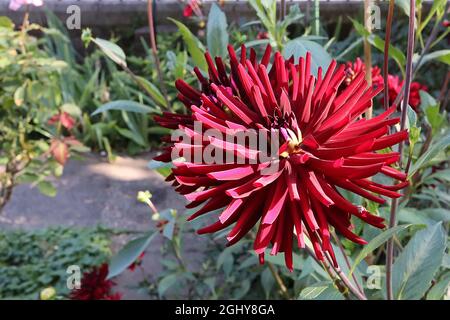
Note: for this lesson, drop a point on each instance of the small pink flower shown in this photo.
(16, 4)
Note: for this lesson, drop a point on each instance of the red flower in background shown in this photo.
(95, 286)
(325, 145)
(190, 8)
(353, 69)
(187, 12)
(262, 35)
(395, 87)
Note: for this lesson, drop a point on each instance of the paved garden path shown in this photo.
(92, 192)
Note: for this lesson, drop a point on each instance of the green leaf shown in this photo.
(439, 289)
(153, 91)
(431, 153)
(415, 267)
(434, 117)
(404, 5)
(134, 136)
(163, 168)
(124, 105)
(299, 47)
(112, 50)
(6, 22)
(216, 32)
(19, 95)
(166, 283)
(321, 291)
(194, 46)
(378, 43)
(428, 216)
(47, 188)
(437, 7)
(71, 109)
(376, 243)
(426, 100)
(439, 55)
(267, 282)
(412, 117)
(129, 253)
(293, 16)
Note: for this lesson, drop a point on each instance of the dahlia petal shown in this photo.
(297, 220)
(262, 72)
(315, 188)
(232, 174)
(349, 185)
(393, 173)
(263, 237)
(307, 213)
(390, 140)
(369, 185)
(238, 149)
(247, 219)
(230, 210)
(211, 205)
(276, 204)
(243, 113)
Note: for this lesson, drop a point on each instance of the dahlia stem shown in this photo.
(347, 262)
(443, 95)
(332, 270)
(349, 285)
(394, 206)
(387, 42)
(368, 52)
(278, 280)
(154, 47)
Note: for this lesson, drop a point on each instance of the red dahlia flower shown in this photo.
(95, 286)
(353, 69)
(395, 87)
(324, 145)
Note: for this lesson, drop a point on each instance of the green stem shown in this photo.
(278, 280)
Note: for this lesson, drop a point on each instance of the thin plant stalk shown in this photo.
(394, 206)
(443, 95)
(368, 52)
(278, 280)
(283, 9)
(328, 264)
(347, 261)
(333, 272)
(387, 42)
(154, 47)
